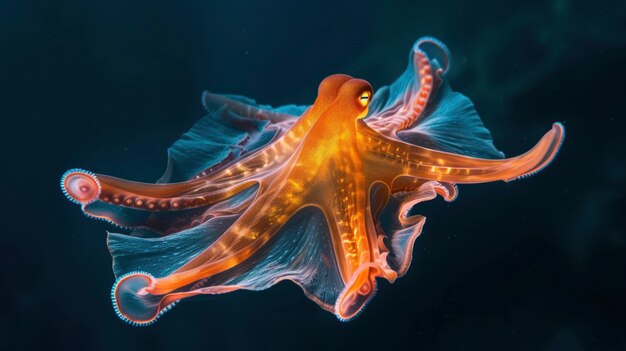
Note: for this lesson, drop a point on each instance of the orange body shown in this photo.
(330, 158)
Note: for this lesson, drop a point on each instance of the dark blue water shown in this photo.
(537, 264)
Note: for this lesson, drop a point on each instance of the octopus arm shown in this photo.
(301, 251)
(232, 130)
(403, 102)
(421, 162)
(420, 108)
(161, 208)
(234, 127)
(145, 223)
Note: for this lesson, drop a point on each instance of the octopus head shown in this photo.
(329, 87)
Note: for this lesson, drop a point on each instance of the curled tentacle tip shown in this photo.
(454, 194)
(444, 52)
(133, 303)
(558, 136)
(561, 128)
(80, 186)
(349, 306)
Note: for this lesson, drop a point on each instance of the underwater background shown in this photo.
(536, 264)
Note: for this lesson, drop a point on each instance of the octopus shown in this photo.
(320, 195)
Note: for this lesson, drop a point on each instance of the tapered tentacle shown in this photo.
(78, 185)
(347, 225)
(163, 223)
(424, 163)
(154, 209)
(350, 213)
(400, 105)
(428, 76)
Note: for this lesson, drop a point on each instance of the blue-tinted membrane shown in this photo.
(229, 130)
(397, 235)
(450, 123)
(163, 255)
(301, 251)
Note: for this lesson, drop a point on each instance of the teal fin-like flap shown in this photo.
(301, 252)
(233, 127)
(163, 255)
(451, 123)
(448, 123)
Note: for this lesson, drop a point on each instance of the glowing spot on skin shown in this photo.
(296, 185)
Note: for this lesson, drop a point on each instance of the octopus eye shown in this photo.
(364, 98)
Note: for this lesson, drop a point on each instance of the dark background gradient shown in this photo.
(537, 264)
